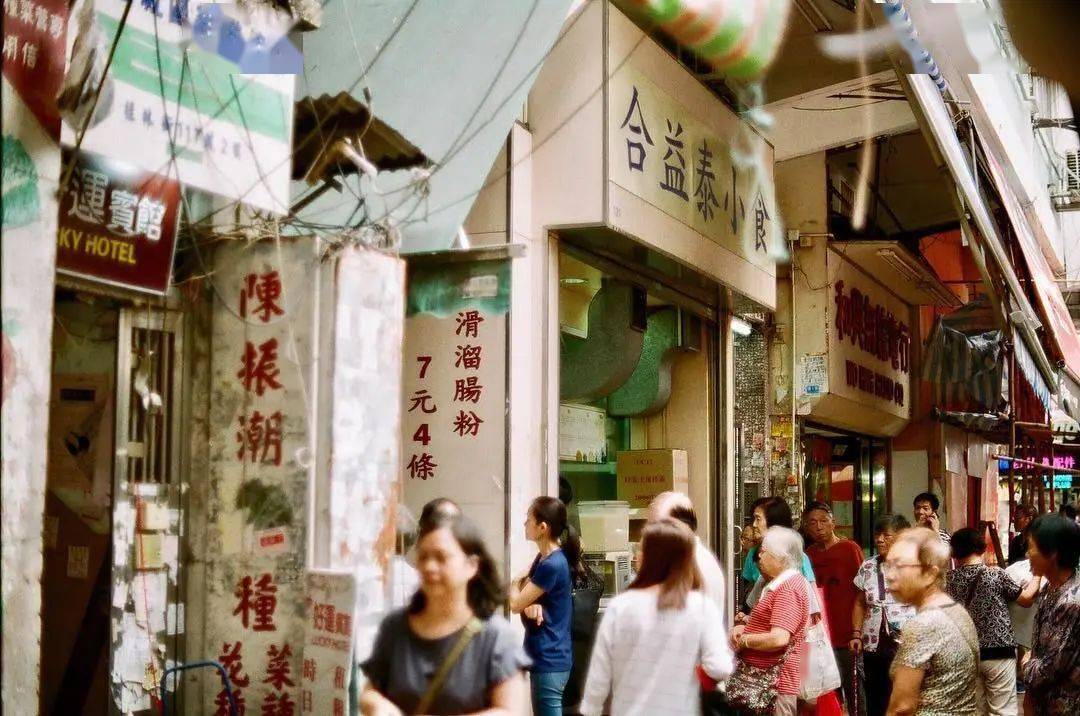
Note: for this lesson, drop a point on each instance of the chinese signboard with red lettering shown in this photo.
(454, 409)
(261, 371)
(328, 643)
(35, 33)
(117, 225)
(868, 344)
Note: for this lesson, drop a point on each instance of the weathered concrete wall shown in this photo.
(368, 312)
(262, 364)
(31, 168)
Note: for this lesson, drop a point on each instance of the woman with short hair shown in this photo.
(877, 617)
(1051, 669)
(448, 652)
(776, 628)
(936, 668)
(986, 592)
(653, 636)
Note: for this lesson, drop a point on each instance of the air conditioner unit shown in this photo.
(1072, 171)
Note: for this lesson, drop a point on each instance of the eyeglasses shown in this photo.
(893, 567)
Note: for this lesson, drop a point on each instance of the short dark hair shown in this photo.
(684, 514)
(437, 512)
(930, 497)
(1068, 510)
(777, 511)
(1028, 510)
(893, 523)
(1057, 534)
(966, 542)
(818, 505)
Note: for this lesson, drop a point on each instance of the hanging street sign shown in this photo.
(34, 37)
(230, 133)
(117, 225)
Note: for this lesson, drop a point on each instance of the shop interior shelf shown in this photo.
(570, 466)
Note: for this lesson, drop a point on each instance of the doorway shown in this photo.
(113, 512)
(849, 471)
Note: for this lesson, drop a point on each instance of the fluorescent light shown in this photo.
(570, 281)
(740, 327)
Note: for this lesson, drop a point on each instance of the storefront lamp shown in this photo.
(740, 327)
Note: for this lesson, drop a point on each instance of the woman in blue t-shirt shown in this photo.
(542, 597)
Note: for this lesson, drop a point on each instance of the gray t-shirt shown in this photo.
(402, 665)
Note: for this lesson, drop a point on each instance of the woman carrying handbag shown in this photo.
(771, 645)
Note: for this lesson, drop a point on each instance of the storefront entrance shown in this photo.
(113, 513)
(850, 472)
(638, 403)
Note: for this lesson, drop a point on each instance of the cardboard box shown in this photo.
(641, 475)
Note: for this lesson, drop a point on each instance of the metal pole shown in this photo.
(1053, 473)
(1012, 433)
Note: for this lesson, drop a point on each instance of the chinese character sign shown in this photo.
(117, 225)
(711, 173)
(328, 642)
(454, 378)
(261, 371)
(229, 133)
(869, 339)
(35, 32)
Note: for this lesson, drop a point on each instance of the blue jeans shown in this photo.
(547, 691)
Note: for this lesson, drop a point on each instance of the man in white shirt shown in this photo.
(678, 506)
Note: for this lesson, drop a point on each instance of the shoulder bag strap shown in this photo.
(472, 628)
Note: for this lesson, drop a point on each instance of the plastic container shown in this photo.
(605, 525)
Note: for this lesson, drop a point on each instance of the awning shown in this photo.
(963, 358)
(1036, 366)
(1058, 322)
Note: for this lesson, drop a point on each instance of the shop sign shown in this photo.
(232, 133)
(869, 340)
(35, 33)
(454, 398)
(328, 643)
(260, 470)
(692, 172)
(117, 225)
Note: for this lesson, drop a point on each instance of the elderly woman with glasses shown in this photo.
(776, 628)
(936, 667)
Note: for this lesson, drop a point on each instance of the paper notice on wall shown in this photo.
(153, 516)
(271, 541)
(78, 562)
(149, 552)
(149, 595)
(815, 375)
(174, 619)
(120, 594)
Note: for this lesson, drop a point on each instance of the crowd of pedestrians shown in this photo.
(928, 625)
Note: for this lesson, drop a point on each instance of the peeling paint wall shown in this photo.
(263, 359)
(31, 169)
(368, 315)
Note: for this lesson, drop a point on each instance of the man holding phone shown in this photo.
(926, 506)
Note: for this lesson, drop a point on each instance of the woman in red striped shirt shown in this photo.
(776, 628)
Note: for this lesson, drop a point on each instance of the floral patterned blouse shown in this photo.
(880, 603)
(1053, 673)
(942, 642)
